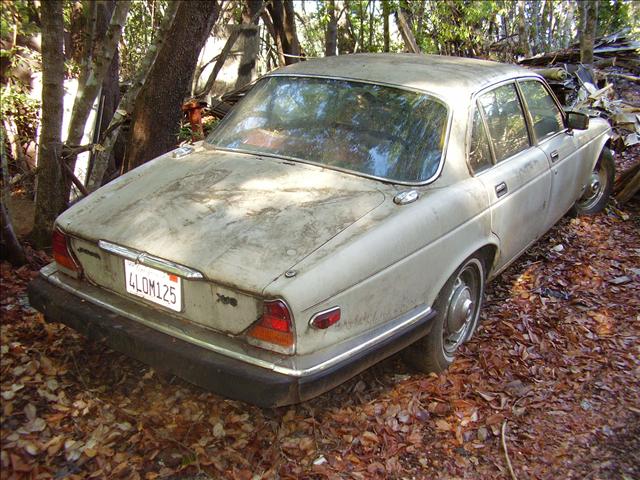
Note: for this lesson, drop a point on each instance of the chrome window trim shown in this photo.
(150, 260)
(294, 366)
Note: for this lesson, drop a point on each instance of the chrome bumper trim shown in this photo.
(150, 260)
(294, 366)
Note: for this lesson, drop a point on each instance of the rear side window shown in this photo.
(479, 151)
(545, 114)
(505, 120)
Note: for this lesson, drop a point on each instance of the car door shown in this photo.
(559, 145)
(518, 181)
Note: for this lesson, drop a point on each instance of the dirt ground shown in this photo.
(555, 365)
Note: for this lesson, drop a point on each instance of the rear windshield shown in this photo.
(369, 129)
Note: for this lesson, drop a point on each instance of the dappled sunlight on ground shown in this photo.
(556, 357)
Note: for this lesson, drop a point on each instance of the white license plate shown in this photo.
(154, 285)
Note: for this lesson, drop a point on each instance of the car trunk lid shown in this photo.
(240, 220)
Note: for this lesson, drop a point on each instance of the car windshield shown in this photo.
(370, 129)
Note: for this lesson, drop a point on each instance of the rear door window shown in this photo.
(479, 150)
(545, 114)
(505, 120)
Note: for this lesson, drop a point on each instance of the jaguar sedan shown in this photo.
(346, 209)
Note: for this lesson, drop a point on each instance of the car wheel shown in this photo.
(599, 186)
(458, 309)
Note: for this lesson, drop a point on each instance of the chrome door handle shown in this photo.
(501, 189)
(555, 156)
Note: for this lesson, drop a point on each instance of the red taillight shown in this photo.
(274, 330)
(61, 252)
(325, 319)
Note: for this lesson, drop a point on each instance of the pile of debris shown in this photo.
(610, 89)
(617, 49)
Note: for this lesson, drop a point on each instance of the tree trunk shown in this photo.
(360, 46)
(291, 31)
(421, 18)
(523, 30)
(110, 91)
(50, 200)
(284, 26)
(588, 24)
(250, 42)
(372, 7)
(103, 56)
(346, 38)
(548, 25)
(331, 35)
(156, 115)
(125, 106)
(406, 33)
(386, 11)
(111, 84)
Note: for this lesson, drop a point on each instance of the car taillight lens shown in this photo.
(62, 253)
(325, 319)
(273, 330)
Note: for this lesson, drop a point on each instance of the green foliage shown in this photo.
(360, 26)
(208, 124)
(18, 17)
(614, 15)
(24, 110)
(138, 35)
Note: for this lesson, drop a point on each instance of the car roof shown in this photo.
(447, 77)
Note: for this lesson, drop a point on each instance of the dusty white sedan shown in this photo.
(347, 208)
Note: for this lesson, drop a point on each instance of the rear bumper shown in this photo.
(208, 369)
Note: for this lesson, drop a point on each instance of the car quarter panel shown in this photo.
(391, 261)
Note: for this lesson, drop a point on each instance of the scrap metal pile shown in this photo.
(610, 89)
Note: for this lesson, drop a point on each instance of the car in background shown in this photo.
(346, 209)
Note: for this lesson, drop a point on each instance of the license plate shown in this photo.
(154, 285)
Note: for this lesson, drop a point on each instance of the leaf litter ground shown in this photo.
(557, 357)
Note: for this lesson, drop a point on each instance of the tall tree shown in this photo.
(523, 29)
(110, 90)
(250, 42)
(331, 35)
(89, 87)
(127, 102)
(386, 11)
(49, 202)
(157, 113)
(406, 32)
(284, 28)
(588, 23)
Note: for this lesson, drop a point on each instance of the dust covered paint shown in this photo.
(242, 220)
(281, 240)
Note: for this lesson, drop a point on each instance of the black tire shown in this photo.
(453, 325)
(599, 186)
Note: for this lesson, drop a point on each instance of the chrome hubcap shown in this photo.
(594, 189)
(462, 309)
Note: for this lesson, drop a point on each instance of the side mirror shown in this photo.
(577, 121)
